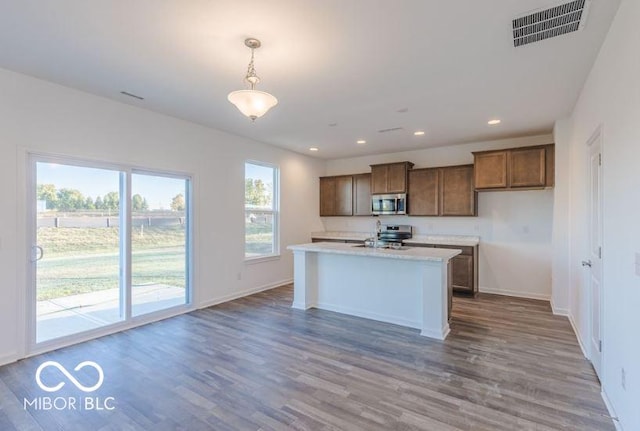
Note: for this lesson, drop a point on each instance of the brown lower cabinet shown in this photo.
(347, 241)
(464, 267)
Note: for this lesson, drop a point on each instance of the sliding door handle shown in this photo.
(586, 263)
(38, 253)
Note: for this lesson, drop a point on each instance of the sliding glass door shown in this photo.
(159, 237)
(77, 249)
(109, 244)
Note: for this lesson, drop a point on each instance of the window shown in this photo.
(260, 210)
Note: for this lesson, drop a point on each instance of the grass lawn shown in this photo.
(81, 260)
(258, 239)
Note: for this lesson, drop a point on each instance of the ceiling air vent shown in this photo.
(392, 129)
(551, 22)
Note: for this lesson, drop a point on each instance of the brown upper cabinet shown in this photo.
(458, 195)
(515, 168)
(390, 177)
(424, 192)
(362, 195)
(336, 195)
(446, 191)
(345, 195)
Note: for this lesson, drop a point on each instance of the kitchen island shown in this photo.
(407, 287)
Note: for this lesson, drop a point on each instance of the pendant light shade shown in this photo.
(252, 103)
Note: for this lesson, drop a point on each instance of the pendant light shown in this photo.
(252, 103)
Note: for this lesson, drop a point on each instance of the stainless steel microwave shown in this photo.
(389, 204)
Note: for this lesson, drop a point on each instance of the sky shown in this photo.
(258, 172)
(159, 191)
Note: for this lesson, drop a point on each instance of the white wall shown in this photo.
(515, 227)
(39, 116)
(611, 99)
(561, 220)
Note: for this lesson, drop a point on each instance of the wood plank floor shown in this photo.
(255, 363)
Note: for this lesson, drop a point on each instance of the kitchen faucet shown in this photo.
(376, 234)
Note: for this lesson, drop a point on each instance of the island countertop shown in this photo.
(405, 253)
(461, 240)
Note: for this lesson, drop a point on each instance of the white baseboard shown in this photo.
(611, 410)
(578, 336)
(369, 315)
(243, 293)
(559, 311)
(8, 359)
(516, 293)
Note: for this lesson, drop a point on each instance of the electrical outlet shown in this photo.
(623, 379)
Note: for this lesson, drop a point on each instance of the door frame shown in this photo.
(27, 312)
(596, 138)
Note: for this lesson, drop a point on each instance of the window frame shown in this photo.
(274, 211)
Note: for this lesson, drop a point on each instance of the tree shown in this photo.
(256, 193)
(69, 199)
(177, 203)
(145, 204)
(99, 205)
(111, 201)
(47, 192)
(137, 202)
(88, 204)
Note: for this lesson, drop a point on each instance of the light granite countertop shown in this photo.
(406, 253)
(461, 240)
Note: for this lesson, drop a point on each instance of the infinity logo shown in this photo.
(72, 379)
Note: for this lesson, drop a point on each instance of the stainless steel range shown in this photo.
(395, 232)
(390, 236)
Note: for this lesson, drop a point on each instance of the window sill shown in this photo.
(260, 259)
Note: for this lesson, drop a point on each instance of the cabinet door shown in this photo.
(378, 179)
(423, 196)
(527, 167)
(397, 178)
(327, 196)
(344, 195)
(458, 192)
(362, 194)
(550, 171)
(491, 170)
(462, 273)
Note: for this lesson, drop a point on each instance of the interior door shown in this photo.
(594, 264)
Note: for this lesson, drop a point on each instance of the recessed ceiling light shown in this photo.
(493, 122)
(419, 132)
(313, 149)
(361, 141)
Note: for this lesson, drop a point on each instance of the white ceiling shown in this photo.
(350, 62)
